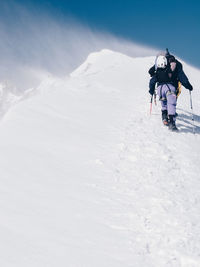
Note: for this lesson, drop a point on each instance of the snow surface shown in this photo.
(90, 179)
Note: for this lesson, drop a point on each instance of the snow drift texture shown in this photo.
(89, 179)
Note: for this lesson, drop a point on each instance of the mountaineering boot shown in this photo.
(172, 124)
(165, 117)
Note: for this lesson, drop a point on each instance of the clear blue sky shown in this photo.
(172, 23)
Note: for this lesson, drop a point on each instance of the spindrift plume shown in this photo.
(35, 44)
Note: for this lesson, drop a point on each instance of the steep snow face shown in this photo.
(89, 178)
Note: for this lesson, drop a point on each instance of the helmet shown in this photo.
(161, 62)
(171, 59)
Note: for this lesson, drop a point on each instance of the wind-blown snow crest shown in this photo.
(89, 178)
(104, 60)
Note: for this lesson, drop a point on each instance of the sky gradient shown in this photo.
(159, 24)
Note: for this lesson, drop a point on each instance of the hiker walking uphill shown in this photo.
(167, 73)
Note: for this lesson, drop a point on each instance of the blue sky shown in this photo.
(160, 24)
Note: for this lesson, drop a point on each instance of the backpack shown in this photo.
(165, 66)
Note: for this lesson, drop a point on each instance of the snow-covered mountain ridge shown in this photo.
(89, 178)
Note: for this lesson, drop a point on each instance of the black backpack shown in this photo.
(164, 75)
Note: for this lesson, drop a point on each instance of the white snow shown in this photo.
(90, 179)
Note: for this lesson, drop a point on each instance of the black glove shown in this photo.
(190, 87)
(151, 92)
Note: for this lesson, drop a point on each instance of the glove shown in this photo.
(190, 87)
(151, 92)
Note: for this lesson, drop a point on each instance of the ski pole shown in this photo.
(151, 101)
(191, 106)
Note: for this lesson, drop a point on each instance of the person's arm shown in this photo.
(179, 65)
(184, 80)
(152, 84)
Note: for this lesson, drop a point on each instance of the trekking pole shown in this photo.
(192, 112)
(151, 101)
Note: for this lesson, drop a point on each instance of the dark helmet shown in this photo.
(171, 59)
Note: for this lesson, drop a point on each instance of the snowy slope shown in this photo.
(89, 179)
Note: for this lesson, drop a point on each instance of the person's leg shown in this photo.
(163, 99)
(164, 112)
(171, 107)
(171, 104)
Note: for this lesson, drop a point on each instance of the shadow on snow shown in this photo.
(186, 117)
